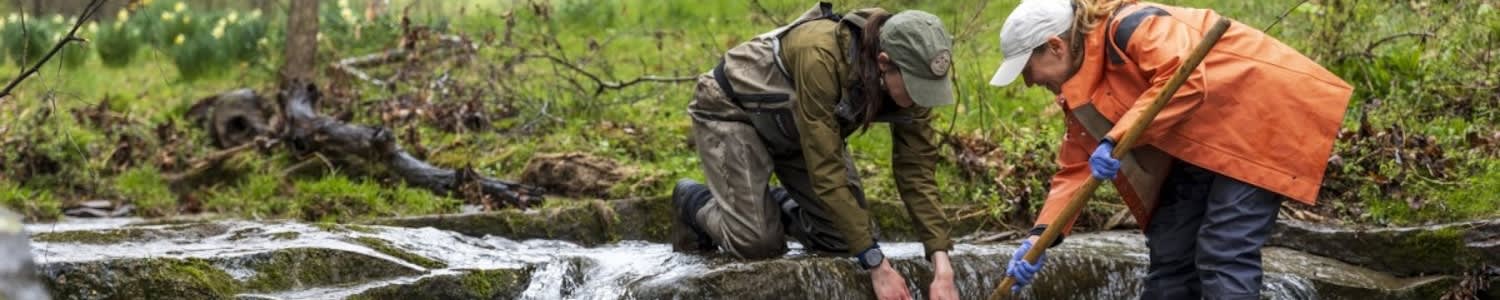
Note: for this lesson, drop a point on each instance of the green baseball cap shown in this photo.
(922, 50)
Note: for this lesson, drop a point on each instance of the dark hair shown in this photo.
(872, 90)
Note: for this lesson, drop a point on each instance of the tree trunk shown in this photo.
(301, 40)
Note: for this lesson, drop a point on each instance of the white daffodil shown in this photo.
(58, 19)
(12, 18)
(348, 16)
(180, 38)
(218, 31)
(255, 14)
(93, 27)
(233, 16)
(344, 3)
(123, 15)
(181, 6)
(167, 16)
(263, 42)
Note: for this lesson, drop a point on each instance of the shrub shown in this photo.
(73, 55)
(28, 44)
(117, 42)
(241, 36)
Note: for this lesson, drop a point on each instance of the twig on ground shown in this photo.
(212, 159)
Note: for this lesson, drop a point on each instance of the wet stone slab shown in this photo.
(280, 260)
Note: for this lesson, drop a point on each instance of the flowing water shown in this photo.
(1088, 266)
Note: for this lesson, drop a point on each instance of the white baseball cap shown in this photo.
(1028, 27)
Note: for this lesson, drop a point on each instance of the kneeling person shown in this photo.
(784, 103)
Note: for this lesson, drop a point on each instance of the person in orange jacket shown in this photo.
(1255, 122)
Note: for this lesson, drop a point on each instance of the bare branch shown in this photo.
(601, 85)
(448, 46)
(765, 14)
(1370, 49)
(1283, 16)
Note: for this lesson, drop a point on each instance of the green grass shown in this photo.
(145, 187)
(558, 111)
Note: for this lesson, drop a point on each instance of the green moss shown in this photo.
(147, 190)
(385, 247)
(133, 234)
(1443, 246)
(197, 271)
(97, 237)
(496, 282)
(472, 284)
(158, 278)
(283, 236)
(306, 267)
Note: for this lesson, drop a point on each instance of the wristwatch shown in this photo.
(871, 258)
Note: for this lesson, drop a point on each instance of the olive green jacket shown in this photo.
(817, 56)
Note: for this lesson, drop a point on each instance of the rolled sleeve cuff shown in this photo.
(935, 245)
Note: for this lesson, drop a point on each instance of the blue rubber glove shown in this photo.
(1101, 164)
(1022, 271)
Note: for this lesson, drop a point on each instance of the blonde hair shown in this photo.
(1087, 15)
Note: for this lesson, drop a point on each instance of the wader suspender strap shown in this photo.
(827, 11)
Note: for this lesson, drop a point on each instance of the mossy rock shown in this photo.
(1432, 288)
(192, 231)
(1090, 266)
(587, 223)
(294, 268)
(470, 284)
(644, 219)
(385, 247)
(153, 278)
(647, 219)
(1439, 249)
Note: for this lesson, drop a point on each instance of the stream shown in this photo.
(127, 258)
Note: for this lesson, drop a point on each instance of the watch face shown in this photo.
(872, 258)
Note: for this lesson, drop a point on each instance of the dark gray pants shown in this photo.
(1205, 236)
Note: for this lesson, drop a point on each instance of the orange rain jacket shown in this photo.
(1255, 110)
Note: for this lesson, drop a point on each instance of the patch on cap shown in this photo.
(940, 63)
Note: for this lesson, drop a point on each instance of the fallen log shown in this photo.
(308, 133)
